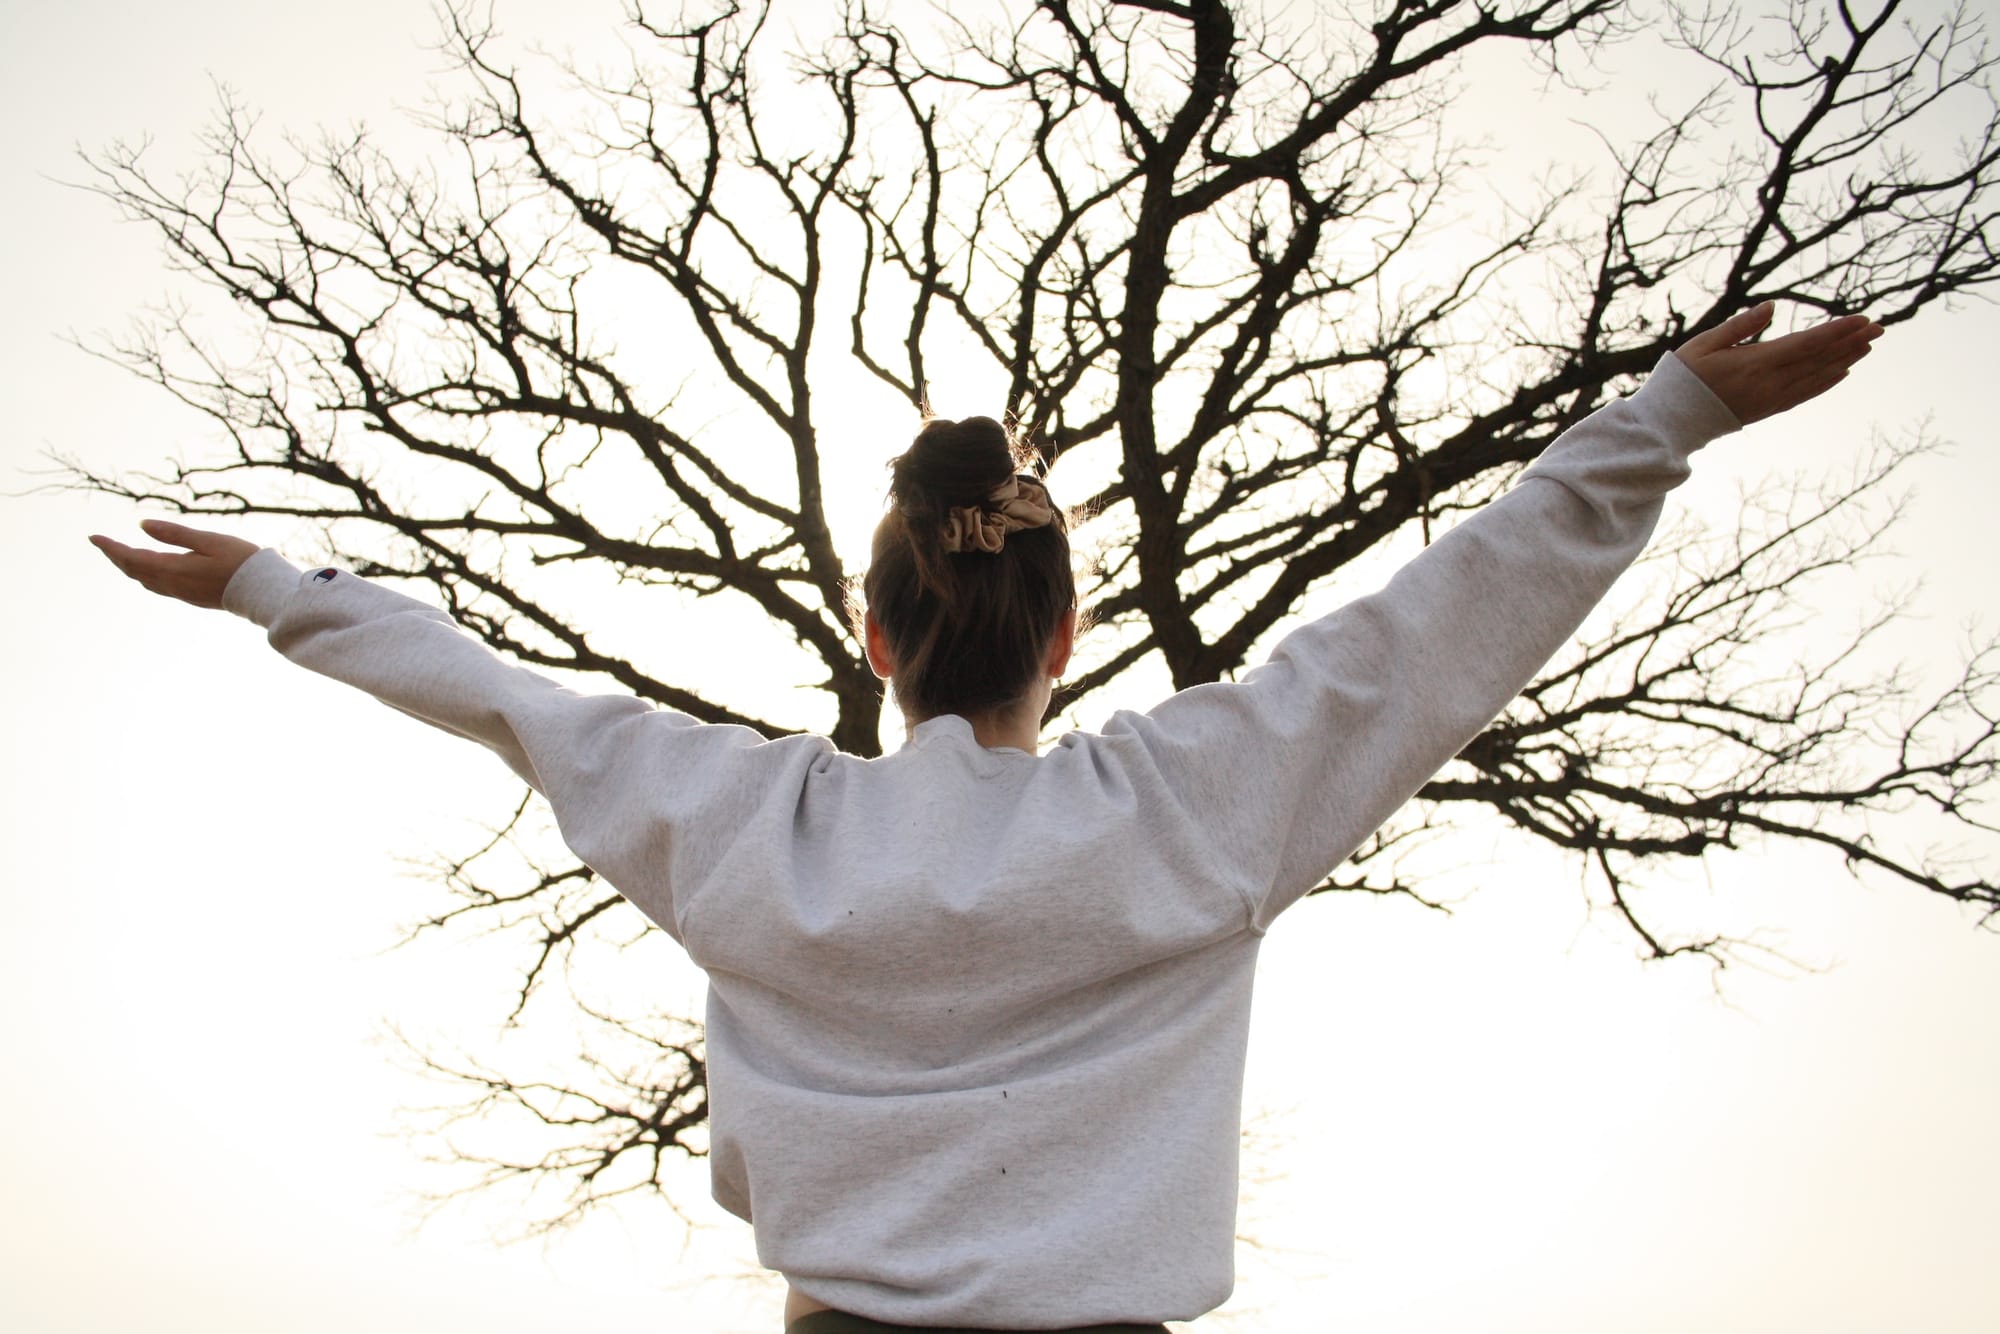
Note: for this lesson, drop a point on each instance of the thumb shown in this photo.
(1736, 329)
(176, 534)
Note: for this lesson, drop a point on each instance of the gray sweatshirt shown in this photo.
(977, 1018)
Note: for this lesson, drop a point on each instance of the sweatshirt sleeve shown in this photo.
(1283, 773)
(645, 796)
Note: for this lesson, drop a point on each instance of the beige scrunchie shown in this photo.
(1017, 503)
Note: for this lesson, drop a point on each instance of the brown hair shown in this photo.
(969, 631)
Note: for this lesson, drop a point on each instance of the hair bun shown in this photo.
(951, 463)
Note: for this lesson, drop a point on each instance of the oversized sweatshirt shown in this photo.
(977, 1017)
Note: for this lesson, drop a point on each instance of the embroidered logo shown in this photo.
(324, 576)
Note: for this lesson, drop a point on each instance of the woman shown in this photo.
(977, 1014)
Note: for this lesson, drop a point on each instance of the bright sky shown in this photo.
(1494, 1122)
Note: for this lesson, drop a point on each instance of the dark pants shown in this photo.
(839, 1322)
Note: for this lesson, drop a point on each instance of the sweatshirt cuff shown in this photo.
(260, 587)
(1689, 402)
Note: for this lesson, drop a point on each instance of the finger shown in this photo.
(164, 572)
(114, 551)
(1837, 363)
(151, 568)
(1811, 379)
(133, 560)
(177, 534)
(1812, 388)
(1736, 329)
(1830, 341)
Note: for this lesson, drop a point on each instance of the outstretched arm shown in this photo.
(643, 795)
(1287, 770)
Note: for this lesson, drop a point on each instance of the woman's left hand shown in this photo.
(197, 574)
(1756, 380)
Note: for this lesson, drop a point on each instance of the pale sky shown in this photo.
(1493, 1122)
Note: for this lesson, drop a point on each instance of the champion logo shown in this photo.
(324, 576)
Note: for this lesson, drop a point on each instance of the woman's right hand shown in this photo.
(196, 575)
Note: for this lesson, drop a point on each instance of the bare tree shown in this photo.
(1202, 249)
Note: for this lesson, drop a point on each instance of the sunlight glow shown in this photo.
(1493, 1121)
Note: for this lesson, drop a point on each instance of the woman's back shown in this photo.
(975, 1030)
(1018, 877)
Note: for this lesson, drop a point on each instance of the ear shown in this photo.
(1062, 644)
(880, 660)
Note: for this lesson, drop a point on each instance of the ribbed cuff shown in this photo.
(260, 587)
(1690, 401)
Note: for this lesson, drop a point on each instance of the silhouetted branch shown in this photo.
(1219, 256)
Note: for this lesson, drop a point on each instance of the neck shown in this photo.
(1018, 726)
(1013, 730)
